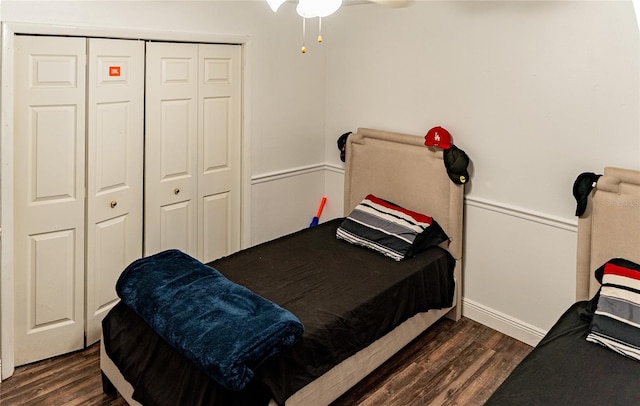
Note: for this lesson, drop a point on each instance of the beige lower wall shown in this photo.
(519, 269)
(285, 202)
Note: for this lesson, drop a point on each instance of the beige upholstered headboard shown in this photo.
(400, 168)
(609, 227)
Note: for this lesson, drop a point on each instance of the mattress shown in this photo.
(346, 296)
(566, 369)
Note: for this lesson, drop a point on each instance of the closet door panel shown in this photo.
(115, 139)
(111, 245)
(216, 211)
(219, 148)
(171, 148)
(176, 218)
(49, 196)
(51, 270)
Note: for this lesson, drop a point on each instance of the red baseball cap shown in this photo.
(438, 137)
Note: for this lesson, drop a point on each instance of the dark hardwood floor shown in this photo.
(458, 363)
(71, 379)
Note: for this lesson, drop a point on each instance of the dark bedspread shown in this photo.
(565, 369)
(345, 296)
(224, 328)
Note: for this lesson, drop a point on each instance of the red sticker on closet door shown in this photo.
(114, 71)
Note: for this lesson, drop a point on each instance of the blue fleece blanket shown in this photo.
(223, 327)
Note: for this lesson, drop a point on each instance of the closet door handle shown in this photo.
(113, 204)
(176, 191)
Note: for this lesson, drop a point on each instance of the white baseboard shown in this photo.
(501, 322)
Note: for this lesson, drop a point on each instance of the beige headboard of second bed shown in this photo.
(609, 227)
(400, 168)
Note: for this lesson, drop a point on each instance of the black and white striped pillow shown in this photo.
(616, 322)
(390, 229)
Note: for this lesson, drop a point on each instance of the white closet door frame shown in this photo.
(9, 30)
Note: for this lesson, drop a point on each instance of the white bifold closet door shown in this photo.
(78, 186)
(115, 151)
(193, 149)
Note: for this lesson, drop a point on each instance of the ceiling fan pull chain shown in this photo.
(304, 29)
(320, 29)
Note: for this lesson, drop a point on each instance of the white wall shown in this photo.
(286, 201)
(535, 92)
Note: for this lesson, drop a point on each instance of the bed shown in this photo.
(398, 302)
(565, 368)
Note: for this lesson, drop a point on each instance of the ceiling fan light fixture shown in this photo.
(317, 8)
(275, 4)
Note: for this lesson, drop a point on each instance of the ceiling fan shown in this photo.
(322, 8)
